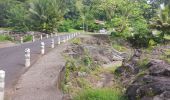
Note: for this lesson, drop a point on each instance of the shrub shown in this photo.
(100, 94)
(115, 34)
(27, 38)
(139, 40)
(65, 26)
(78, 25)
(5, 38)
(87, 61)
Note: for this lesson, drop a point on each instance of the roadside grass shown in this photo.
(74, 30)
(27, 38)
(100, 94)
(5, 38)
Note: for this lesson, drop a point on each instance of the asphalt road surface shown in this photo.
(12, 59)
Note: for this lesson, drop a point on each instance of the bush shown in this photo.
(100, 94)
(115, 34)
(27, 38)
(5, 38)
(65, 26)
(139, 40)
(78, 25)
(92, 27)
(141, 35)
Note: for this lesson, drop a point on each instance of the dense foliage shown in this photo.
(130, 19)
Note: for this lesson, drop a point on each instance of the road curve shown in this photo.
(12, 59)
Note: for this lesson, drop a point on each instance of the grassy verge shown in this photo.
(27, 38)
(5, 38)
(74, 30)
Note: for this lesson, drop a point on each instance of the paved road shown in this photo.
(12, 59)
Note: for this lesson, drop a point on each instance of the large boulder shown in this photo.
(153, 86)
(129, 67)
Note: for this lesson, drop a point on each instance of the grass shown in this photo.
(119, 47)
(5, 38)
(74, 30)
(27, 38)
(118, 43)
(76, 41)
(100, 94)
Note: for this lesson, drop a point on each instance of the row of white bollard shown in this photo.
(47, 36)
(28, 57)
(33, 38)
(27, 50)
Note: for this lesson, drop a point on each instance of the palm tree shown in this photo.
(162, 22)
(46, 14)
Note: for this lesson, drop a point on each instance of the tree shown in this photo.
(162, 21)
(46, 14)
(17, 16)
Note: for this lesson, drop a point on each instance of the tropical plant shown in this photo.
(162, 21)
(17, 15)
(46, 14)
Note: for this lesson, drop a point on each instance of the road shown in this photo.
(12, 59)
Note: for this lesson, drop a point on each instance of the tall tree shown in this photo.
(45, 14)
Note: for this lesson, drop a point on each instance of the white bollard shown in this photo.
(42, 48)
(67, 37)
(64, 39)
(52, 43)
(47, 36)
(72, 35)
(27, 57)
(21, 40)
(41, 37)
(33, 38)
(59, 41)
(2, 84)
(51, 34)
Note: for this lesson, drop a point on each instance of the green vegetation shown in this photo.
(27, 38)
(132, 21)
(5, 38)
(76, 41)
(100, 94)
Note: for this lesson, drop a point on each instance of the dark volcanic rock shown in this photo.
(159, 68)
(154, 86)
(130, 67)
